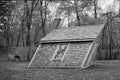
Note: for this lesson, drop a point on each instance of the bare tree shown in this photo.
(29, 14)
(77, 12)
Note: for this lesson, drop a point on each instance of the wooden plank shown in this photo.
(34, 55)
(90, 56)
(82, 66)
(55, 52)
(65, 52)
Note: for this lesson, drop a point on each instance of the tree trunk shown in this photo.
(36, 35)
(18, 39)
(7, 34)
(29, 14)
(95, 8)
(35, 38)
(28, 43)
(43, 28)
(43, 17)
(22, 34)
(77, 12)
(78, 18)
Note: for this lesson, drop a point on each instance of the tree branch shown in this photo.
(36, 4)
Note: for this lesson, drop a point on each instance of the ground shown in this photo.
(99, 70)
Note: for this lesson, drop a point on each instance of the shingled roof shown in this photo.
(81, 33)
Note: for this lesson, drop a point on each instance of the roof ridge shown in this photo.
(82, 26)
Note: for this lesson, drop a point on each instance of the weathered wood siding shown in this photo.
(73, 58)
(76, 54)
(44, 55)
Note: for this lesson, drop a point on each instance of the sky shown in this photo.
(104, 3)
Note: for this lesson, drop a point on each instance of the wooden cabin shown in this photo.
(72, 47)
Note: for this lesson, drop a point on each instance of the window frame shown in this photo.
(55, 53)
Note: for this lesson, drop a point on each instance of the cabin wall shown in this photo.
(44, 55)
(73, 58)
(76, 54)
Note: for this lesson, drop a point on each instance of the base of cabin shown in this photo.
(73, 58)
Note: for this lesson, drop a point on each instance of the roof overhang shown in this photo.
(67, 40)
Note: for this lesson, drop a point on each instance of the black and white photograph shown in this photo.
(59, 39)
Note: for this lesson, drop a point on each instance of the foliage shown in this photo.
(5, 14)
(23, 23)
(79, 9)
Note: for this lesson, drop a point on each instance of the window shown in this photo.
(60, 52)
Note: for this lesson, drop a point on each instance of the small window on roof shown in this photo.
(60, 52)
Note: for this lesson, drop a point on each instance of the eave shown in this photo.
(67, 40)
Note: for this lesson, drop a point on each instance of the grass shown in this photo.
(99, 70)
